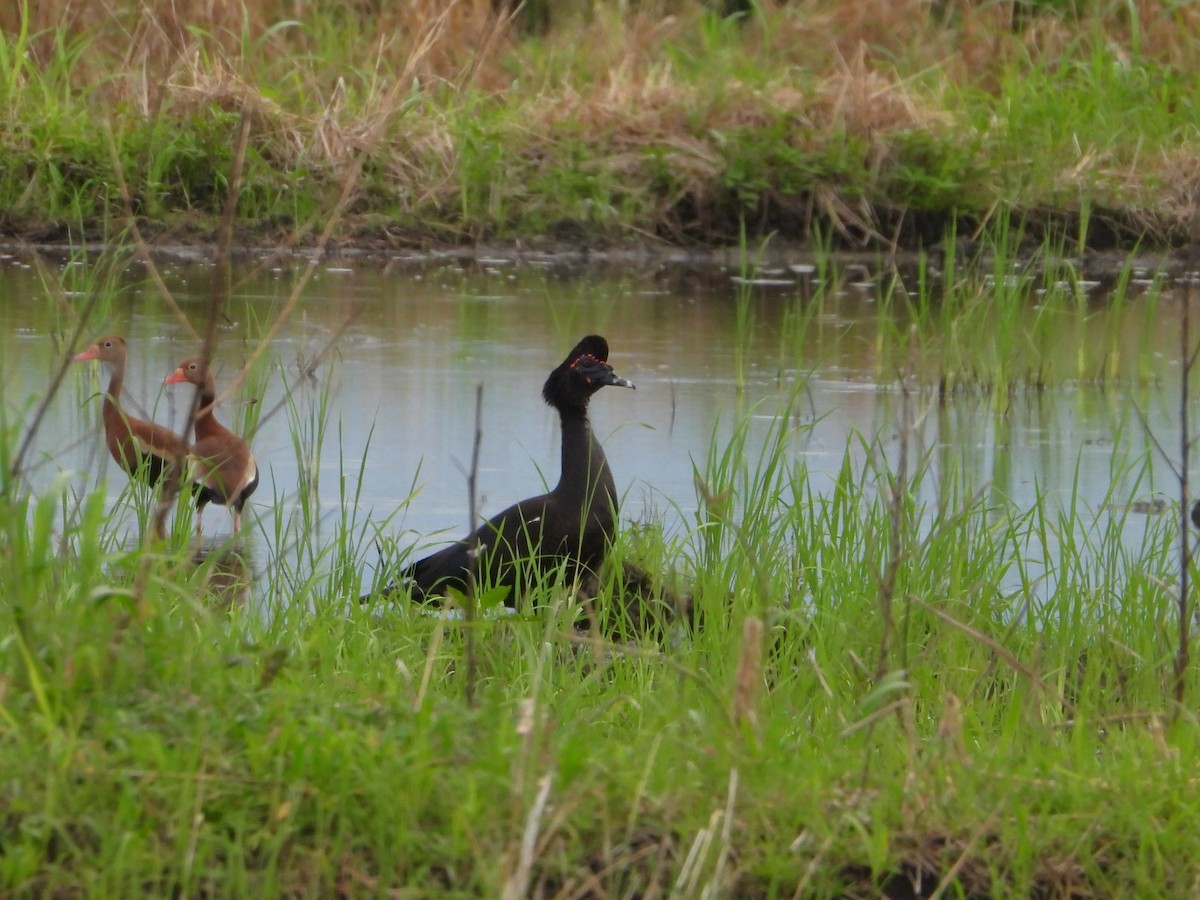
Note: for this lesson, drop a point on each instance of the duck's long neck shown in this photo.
(206, 423)
(112, 398)
(585, 476)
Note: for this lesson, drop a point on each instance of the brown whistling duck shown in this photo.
(143, 449)
(575, 523)
(225, 471)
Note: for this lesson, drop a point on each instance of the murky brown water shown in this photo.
(410, 340)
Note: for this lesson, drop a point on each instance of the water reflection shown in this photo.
(223, 576)
(382, 420)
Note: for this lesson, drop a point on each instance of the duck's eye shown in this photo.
(108, 344)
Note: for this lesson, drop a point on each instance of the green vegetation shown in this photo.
(901, 677)
(871, 123)
(873, 690)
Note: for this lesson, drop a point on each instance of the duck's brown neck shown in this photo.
(112, 397)
(206, 423)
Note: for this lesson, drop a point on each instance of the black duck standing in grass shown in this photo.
(573, 524)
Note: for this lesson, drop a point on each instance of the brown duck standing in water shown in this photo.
(143, 449)
(225, 471)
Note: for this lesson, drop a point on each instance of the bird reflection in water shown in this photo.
(223, 575)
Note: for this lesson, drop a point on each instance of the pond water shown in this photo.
(409, 338)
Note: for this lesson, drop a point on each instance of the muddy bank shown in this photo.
(383, 248)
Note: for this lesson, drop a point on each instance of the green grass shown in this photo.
(664, 120)
(1009, 318)
(1011, 731)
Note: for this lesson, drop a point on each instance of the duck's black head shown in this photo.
(581, 374)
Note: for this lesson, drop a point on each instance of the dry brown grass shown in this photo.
(1179, 172)
(142, 51)
(616, 79)
(476, 39)
(156, 33)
